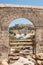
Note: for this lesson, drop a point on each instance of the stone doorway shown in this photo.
(32, 13)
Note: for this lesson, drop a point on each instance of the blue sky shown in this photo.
(22, 2)
(19, 21)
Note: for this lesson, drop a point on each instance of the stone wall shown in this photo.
(39, 42)
(12, 12)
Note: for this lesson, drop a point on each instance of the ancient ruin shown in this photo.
(10, 12)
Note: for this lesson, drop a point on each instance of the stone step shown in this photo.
(18, 44)
(24, 51)
(16, 54)
(14, 57)
(13, 60)
(25, 40)
(21, 43)
(19, 47)
(13, 52)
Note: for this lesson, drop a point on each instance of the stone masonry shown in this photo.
(10, 12)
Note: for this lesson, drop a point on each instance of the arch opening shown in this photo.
(20, 26)
(21, 35)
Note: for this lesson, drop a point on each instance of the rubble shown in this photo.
(24, 61)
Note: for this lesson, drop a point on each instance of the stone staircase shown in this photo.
(19, 48)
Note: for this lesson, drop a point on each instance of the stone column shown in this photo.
(5, 42)
(39, 42)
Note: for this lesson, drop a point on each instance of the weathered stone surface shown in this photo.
(32, 13)
(39, 43)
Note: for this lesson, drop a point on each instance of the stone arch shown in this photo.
(21, 33)
(11, 12)
(16, 19)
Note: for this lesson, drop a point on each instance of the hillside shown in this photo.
(21, 26)
(21, 31)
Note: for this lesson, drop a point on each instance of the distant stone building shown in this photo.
(24, 30)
